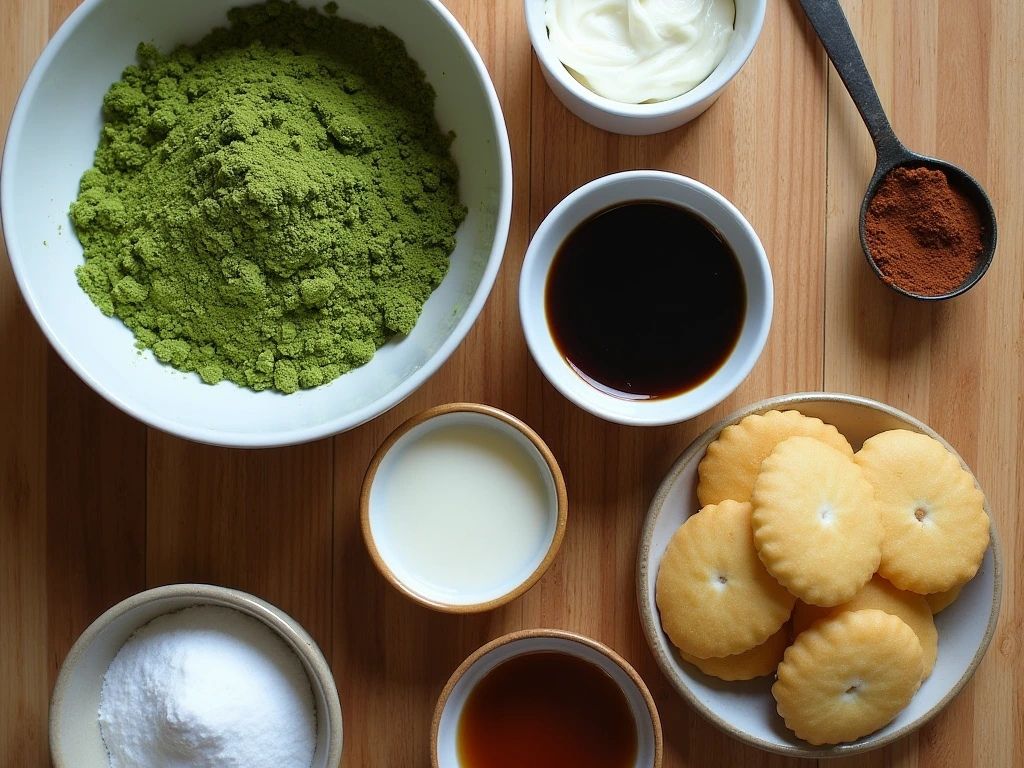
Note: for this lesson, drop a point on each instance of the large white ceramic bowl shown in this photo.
(631, 186)
(53, 136)
(746, 710)
(75, 738)
(643, 119)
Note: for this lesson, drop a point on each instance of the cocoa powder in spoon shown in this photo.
(924, 235)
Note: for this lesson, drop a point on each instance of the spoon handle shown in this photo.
(829, 21)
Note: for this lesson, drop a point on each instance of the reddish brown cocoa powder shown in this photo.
(924, 235)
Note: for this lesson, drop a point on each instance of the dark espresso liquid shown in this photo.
(645, 300)
(546, 710)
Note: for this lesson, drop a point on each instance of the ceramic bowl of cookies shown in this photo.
(819, 575)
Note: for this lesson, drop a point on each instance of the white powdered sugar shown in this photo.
(207, 687)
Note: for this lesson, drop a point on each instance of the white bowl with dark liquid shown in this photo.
(647, 186)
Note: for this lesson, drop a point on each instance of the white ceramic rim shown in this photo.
(538, 334)
(718, 78)
(292, 634)
(651, 625)
(333, 426)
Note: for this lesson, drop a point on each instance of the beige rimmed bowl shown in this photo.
(527, 440)
(746, 710)
(75, 740)
(447, 713)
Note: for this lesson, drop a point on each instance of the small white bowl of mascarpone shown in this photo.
(463, 508)
(642, 66)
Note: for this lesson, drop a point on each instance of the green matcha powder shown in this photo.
(271, 205)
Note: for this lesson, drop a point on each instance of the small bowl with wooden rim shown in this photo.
(445, 736)
(746, 710)
(463, 508)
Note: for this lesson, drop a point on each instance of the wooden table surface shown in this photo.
(94, 506)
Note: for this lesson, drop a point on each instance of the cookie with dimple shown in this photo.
(759, 661)
(816, 525)
(940, 601)
(731, 464)
(883, 596)
(936, 529)
(714, 595)
(848, 676)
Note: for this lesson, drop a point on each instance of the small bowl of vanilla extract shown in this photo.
(646, 298)
(545, 698)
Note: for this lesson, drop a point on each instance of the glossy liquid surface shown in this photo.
(547, 710)
(645, 300)
(464, 512)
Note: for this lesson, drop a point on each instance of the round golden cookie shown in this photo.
(848, 676)
(940, 601)
(883, 596)
(816, 526)
(731, 464)
(714, 595)
(936, 529)
(759, 661)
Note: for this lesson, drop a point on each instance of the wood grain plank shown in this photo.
(96, 508)
(392, 655)
(23, 600)
(283, 523)
(949, 80)
(776, 178)
(95, 495)
(259, 521)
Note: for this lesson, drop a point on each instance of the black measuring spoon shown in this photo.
(829, 21)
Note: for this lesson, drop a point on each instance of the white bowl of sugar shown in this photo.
(196, 675)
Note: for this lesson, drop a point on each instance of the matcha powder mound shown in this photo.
(271, 205)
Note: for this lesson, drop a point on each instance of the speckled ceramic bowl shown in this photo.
(746, 710)
(75, 740)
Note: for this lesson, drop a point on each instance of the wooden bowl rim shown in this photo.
(562, 505)
(561, 634)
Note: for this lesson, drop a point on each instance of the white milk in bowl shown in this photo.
(464, 509)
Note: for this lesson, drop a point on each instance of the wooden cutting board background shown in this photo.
(95, 507)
